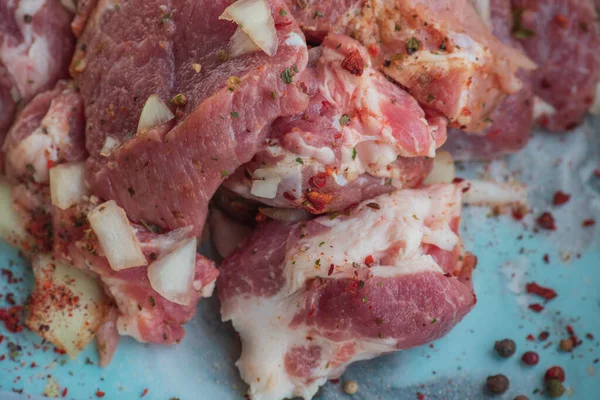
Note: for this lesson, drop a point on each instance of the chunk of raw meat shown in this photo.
(310, 298)
(48, 131)
(441, 51)
(36, 45)
(562, 36)
(143, 313)
(223, 105)
(360, 136)
(512, 121)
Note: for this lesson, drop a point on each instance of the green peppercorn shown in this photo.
(555, 388)
(505, 348)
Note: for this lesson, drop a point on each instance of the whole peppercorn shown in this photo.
(505, 348)
(521, 397)
(497, 384)
(555, 372)
(530, 358)
(566, 344)
(555, 388)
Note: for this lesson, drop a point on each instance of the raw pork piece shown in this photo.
(441, 51)
(513, 119)
(562, 36)
(310, 298)
(361, 136)
(48, 131)
(36, 45)
(223, 104)
(142, 312)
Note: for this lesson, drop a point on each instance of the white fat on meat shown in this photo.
(264, 322)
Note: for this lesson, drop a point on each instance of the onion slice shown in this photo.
(154, 113)
(109, 145)
(286, 214)
(172, 275)
(443, 170)
(495, 194)
(116, 236)
(67, 184)
(240, 44)
(255, 19)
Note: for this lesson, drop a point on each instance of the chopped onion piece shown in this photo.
(541, 108)
(166, 242)
(595, 109)
(116, 236)
(286, 214)
(154, 113)
(70, 5)
(172, 275)
(443, 169)
(255, 19)
(484, 9)
(266, 187)
(67, 184)
(495, 194)
(67, 305)
(227, 234)
(109, 145)
(240, 44)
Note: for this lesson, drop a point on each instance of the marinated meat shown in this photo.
(310, 298)
(223, 104)
(360, 136)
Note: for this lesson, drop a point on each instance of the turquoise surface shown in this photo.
(455, 367)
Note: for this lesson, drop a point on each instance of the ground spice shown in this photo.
(561, 198)
(546, 221)
(354, 63)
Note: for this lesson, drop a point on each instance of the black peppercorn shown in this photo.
(505, 348)
(497, 384)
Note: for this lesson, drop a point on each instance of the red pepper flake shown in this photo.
(537, 307)
(260, 217)
(546, 258)
(64, 392)
(318, 181)
(597, 173)
(546, 221)
(144, 393)
(570, 330)
(561, 198)
(369, 260)
(319, 200)
(530, 337)
(586, 223)
(518, 212)
(420, 396)
(11, 318)
(313, 309)
(457, 180)
(1, 338)
(354, 63)
(330, 270)
(33, 365)
(561, 20)
(543, 336)
(50, 164)
(555, 372)
(589, 336)
(546, 293)
(2, 357)
(59, 351)
(100, 394)
(9, 275)
(289, 196)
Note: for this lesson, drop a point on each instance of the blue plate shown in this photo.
(510, 254)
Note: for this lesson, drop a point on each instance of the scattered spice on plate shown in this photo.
(566, 345)
(505, 348)
(546, 293)
(561, 198)
(521, 397)
(530, 358)
(497, 384)
(536, 307)
(586, 223)
(546, 221)
(543, 336)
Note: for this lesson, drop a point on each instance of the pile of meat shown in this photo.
(311, 125)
